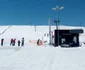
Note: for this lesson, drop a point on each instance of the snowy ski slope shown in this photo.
(33, 57)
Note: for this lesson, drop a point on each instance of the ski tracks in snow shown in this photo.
(50, 60)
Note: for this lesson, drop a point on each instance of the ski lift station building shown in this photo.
(66, 37)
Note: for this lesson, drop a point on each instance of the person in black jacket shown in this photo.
(38, 41)
(22, 44)
(2, 40)
(18, 42)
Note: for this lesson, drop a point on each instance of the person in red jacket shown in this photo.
(14, 42)
(11, 42)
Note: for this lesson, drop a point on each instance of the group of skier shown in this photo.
(13, 41)
(19, 42)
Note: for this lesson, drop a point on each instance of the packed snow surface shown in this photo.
(34, 57)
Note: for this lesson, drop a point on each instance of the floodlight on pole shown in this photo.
(61, 7)
(57, 8)
(53, 8)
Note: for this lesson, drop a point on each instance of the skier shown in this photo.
(14, 42)
(38, 42)
(22, 44)
(18, 42)
(2, 40)
(11, 42)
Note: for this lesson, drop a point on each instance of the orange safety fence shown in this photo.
(35, 42)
